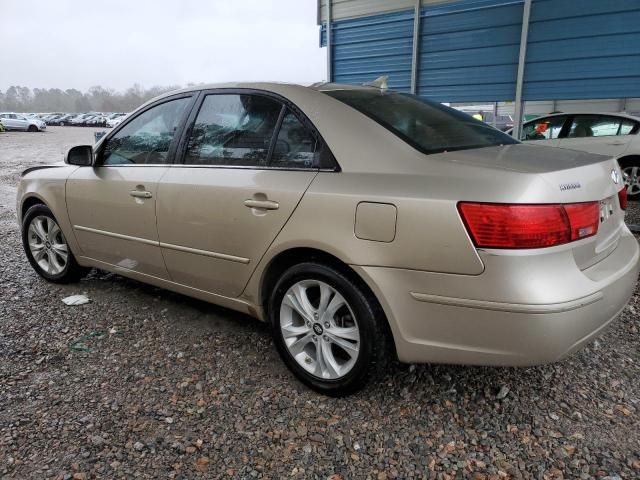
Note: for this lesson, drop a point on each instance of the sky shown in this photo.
(116, 43)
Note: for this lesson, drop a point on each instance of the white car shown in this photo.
(16, 121)
(114, 122)
(612, 134)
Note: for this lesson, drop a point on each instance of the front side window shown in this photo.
(543, 128)
(594, 126)
(146, 138)
(295, 146)
(428, 126)
(233, 130)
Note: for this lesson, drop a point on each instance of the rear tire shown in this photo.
(327, 330)
(46, 248)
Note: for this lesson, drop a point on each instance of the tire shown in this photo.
(631, 172)
(45, 247)
(357, 324)
(33, 128)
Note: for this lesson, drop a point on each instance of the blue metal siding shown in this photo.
(468, 50)
(366, 48)
(583, 50)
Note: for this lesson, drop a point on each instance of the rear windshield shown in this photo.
(428, 126)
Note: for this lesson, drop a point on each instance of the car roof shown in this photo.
(279, 87)
(610, 114)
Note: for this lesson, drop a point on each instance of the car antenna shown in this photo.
(380, 82)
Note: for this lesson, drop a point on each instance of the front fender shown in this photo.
(47, 185)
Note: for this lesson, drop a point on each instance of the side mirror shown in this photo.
(81, 155)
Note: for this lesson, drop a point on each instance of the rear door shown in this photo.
(603, 134)
(247, 161)
(544, 131)
(112, 205)
(10, 121)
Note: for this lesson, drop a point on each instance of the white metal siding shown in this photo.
(341, 9)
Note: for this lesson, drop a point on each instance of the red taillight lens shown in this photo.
(622, 198)
(528, 226)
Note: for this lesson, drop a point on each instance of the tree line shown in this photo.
(96, 99)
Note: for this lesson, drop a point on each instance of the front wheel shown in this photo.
(327, 330)
(46, 247)
(33, 128)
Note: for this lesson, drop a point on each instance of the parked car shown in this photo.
(361, 224)
(80, 120)
(66, 119)
(115, 121)
(53, 119)
(610, 134)
(16, 121)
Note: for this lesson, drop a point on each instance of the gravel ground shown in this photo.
(143, 383)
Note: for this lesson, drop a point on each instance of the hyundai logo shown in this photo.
(615, 176)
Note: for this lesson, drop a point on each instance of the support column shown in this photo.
(416, 50)
(519, 104)
(329, 44)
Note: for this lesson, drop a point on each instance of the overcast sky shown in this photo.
(116, 43)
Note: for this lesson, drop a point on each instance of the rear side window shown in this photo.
(627, 127)
(428, 126)
(233, 130)
(594, 126)
(295, 145)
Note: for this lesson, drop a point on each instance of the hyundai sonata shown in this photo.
(361, 224)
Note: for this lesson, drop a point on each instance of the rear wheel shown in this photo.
(631, 173)
(46, 247)
(326, 329)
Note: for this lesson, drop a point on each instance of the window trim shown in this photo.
(174, 141)
(326, 160)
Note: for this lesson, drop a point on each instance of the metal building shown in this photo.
(539, 51)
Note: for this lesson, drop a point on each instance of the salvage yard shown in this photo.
(144, 383)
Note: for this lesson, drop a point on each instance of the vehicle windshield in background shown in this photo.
(428, 126)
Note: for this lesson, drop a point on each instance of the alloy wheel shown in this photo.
(48, 245)
(631, 176)
(319, 329)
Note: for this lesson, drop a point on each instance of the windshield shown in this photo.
(428, 126)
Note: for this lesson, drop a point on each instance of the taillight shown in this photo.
(493, 225)
(622, 198)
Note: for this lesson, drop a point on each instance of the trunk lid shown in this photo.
(571, 177)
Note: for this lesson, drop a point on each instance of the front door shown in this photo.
(112, 205)
(248, 161)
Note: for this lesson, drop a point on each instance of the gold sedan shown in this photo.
(362, 224)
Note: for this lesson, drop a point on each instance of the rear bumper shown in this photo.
(522, 310)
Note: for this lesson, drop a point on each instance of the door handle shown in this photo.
(615, 143)
(140, 194)
(262, 204)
